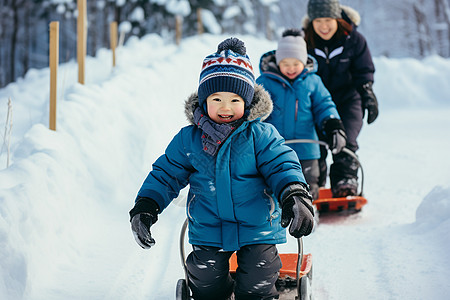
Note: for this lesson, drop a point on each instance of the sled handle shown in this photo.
(345, 150)
(299, 263)
(182, 250)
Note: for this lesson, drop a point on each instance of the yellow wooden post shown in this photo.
(178, 30)
(53, 63)
(81, 39)
(113, 40)
(200, 29)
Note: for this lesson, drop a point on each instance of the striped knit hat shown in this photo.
(227, 70)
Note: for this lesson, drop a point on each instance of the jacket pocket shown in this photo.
(273, 212)
(190, 208)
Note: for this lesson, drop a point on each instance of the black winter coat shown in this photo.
(345, 64)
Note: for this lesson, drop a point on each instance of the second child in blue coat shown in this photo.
(301, 102)
(246, 185)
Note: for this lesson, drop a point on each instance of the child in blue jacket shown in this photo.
(301, 102)
(246, 185)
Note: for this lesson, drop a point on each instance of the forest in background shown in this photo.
(401, 28)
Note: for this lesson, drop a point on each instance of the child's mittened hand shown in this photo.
(335, 133)
(338, 141)
(297, 209)
(300, 214)
(140, 225)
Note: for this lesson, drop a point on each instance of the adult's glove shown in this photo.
(143, 215)
(369, 102)
(297, 210)
(335, 133)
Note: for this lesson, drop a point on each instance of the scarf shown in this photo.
(214, 134)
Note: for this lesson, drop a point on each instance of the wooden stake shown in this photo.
(81, 39)
(178, 30)
(200, 29)
(53, 62)
(113, 40)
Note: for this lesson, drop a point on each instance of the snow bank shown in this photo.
(434, 212)
(406, 82)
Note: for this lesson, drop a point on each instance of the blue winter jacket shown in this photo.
(299, 106)
(232, 199)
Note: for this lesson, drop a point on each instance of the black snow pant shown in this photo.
(311, 171)
(257, 272)
(343, 166)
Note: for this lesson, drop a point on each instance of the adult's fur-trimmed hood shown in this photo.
(351, 13)
(261, 106)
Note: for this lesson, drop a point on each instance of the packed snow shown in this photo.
(65, 197)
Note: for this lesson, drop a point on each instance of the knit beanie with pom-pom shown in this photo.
(291, 45)
(227, 70)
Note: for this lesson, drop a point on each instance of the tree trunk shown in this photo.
(444, 7)
(422, 29)
(93, 29)
(15, 28)
(26, 56)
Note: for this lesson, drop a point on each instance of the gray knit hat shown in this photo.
(324, 9)
(291, 45)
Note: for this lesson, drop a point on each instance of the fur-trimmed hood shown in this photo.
(261, 106)
(352, 14)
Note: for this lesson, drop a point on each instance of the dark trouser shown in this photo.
(257, 272)
(311, 171)
(343, 164)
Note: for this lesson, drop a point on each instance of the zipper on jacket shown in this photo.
(326, 53)
(296, 109)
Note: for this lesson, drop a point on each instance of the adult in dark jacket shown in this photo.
(346, 69)
(245, 184)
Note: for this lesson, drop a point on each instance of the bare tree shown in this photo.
(442, 26)
(423, 28)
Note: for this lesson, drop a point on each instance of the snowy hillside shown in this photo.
(64, 199)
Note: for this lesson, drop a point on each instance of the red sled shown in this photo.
(294, 280)
(326, 202)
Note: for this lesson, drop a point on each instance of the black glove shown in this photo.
(297, 209)
(369, 102)
(335, 133)
(143, 215)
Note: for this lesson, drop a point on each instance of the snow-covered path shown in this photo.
(64, 202)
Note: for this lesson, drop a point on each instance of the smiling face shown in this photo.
(291, 67)
(225, 107)
(325, 27)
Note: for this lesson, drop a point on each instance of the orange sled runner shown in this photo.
(326, 202)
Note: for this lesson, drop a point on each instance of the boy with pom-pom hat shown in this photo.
(301, 102)
(246, 186)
